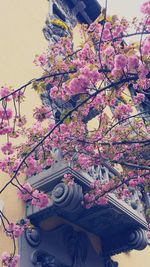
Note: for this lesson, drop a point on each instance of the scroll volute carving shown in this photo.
(33, 236)
(67, 197)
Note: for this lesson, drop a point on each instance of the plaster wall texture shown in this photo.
(21, 37)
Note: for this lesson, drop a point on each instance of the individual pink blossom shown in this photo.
(120, 61)
(6, 114)
(106, 34)
(4, 91)
(49, 162)
(41, 60)
(109, 51)
(145, 8)
(7, 148)
(53, 92)
(68, 179)
(117, 31)
(133, 62)
(139, 98)
(133, 183)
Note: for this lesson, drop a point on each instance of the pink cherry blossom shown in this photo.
(7, 148)
(139, 98)
(133, 62)
(145, 8)
(39, 199)
(8, 260)
(25, 192)
(120, 61)
(4, 91)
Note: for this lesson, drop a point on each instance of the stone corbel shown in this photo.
(129, 240)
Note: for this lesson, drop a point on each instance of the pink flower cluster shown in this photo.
(86, 54)
(14, 230)
(41, 60)
(68, 179)
(37, 198)
(98, 194)
(106, 32)
(109, 51)
(33, 166)
(85, 161)
(110, 32)
(8, 260)
(80, 84)
(25, 192)
(146, 46)
(6, 114)
(133, 62)
(139, 98)
(122, 111)
(5, 128)
(4, 91)
(42, 113)
(137, 181)
(7, 149)
(120, 61)
(145, 8)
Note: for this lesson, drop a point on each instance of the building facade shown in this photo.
(64, 233)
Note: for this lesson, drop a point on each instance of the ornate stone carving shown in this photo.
(70, 11)
(76, 243)
(42, 258)
(68, 197)
(137, 239)
(58, 10)
(33, 237)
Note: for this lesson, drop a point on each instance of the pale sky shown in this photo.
(125, 8)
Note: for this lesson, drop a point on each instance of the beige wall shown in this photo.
(134, 258)
(21, 37)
